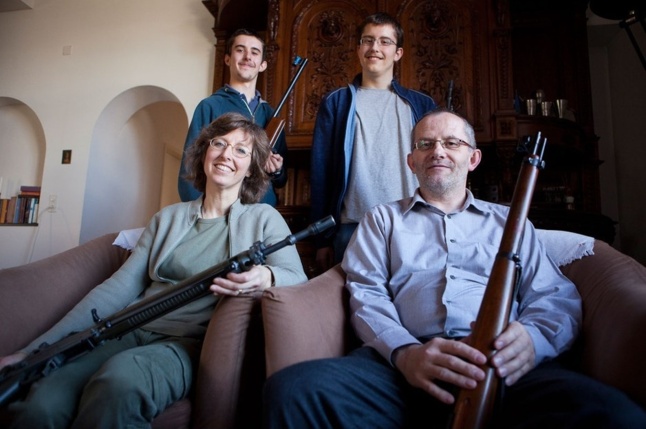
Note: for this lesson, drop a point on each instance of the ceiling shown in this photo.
(11, 5)
(600, 27)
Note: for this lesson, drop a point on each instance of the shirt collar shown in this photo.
(254, 101)
(195, 208)
(471, 203)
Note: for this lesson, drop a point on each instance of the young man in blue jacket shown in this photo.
(245, 57)
(361, 138)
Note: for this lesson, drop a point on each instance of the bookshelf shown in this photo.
(21, 208)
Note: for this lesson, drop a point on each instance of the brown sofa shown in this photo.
(309, 321)
(36, 295)
(306, 322)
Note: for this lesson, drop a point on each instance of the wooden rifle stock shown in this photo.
(276, 124)
(474, 407)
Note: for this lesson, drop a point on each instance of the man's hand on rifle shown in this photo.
(515, 355)
(12, 359)
(440, 360)
(258, 278)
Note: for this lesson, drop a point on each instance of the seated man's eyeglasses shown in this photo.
(452, 143)
(239, 150)
(382, 41)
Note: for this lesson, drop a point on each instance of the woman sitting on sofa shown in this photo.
(127, 382)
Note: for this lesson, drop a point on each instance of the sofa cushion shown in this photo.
(231, 370)
(36, 295)
(315, 325)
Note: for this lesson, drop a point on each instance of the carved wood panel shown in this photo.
(324, 33)
(464, 41)
(444, 40)
(444, 43)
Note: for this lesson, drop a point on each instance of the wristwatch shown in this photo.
(276, 173)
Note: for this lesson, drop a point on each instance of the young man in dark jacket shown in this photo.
(361, 138)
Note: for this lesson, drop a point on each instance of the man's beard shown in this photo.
(440, 185)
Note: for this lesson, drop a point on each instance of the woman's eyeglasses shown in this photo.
(239, 150)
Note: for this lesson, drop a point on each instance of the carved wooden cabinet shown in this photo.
(464, 41)
(467, 42)
(471, 43)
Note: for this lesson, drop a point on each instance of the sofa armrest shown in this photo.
(306, 321)
(231, 370)
(35, 296)
(613, 288)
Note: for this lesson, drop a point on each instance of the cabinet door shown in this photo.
(447, 41)
(322, 32)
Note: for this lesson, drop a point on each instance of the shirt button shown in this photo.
(452, 240)
(452, 277)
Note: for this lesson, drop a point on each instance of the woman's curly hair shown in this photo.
(253, 186)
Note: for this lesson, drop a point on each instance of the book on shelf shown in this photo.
(22, 207)
(19, 209)
(30, 206)
(302, 188)
(34, 212)
(280, 196)
(11, 209)
(4, 203)
(288, 189)
(30, 189)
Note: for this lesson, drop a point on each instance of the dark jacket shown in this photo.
(333, 142)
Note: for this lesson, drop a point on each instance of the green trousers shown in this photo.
(122, 384)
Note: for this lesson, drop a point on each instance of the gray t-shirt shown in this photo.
(205, 246)
(378, 169)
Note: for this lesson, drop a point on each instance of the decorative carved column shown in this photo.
(220, 72)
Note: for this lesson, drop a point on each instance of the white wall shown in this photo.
(67, 61)
(20, 127)
(126, 161)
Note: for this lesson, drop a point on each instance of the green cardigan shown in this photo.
(139, 278)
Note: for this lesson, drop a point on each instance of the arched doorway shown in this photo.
(134, 161)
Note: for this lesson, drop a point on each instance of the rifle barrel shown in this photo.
(297, 61)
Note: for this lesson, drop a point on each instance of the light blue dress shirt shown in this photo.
(415, 272)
